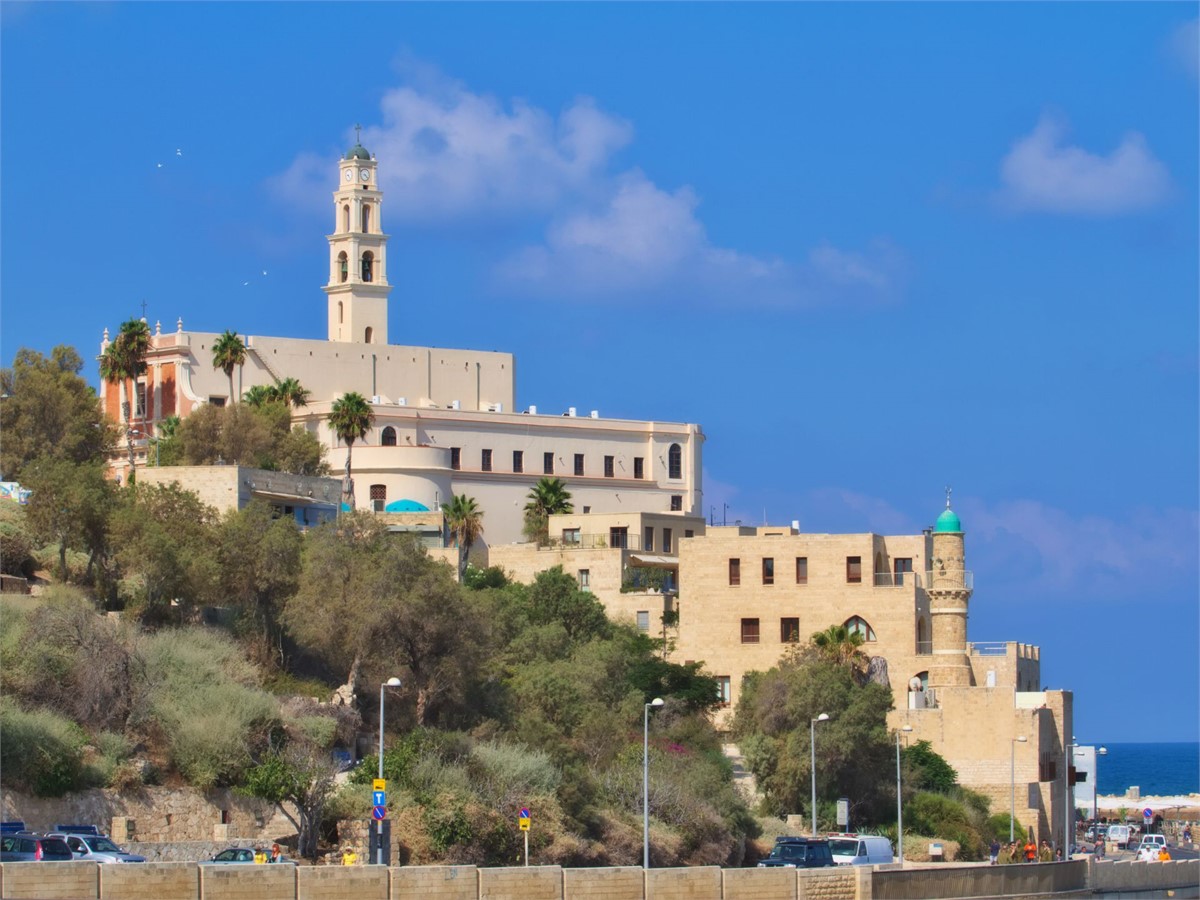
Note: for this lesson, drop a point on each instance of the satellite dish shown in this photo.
(914, 684)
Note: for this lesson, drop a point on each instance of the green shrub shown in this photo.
(16, 550)
(201, 692)
(505, 774)
(41, 752)
(937, 815)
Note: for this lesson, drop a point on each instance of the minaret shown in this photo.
(949, 594)
(358, 288)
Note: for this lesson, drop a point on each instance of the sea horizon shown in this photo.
(1162, 768)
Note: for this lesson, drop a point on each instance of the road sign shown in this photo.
(379, 798)
(379, 784)
(379, 813)
(1147, 813)
(523, 818)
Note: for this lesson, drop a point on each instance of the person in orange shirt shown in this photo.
(1030, 851)
(1163, 855)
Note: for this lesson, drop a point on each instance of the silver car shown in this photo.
(98, 848)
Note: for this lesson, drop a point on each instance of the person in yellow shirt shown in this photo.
(1163, 855)
(349, 857)
(260, 855)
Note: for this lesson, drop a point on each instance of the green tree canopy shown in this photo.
(71, 505)
(49, 410)
(464, 518)
(351, 418)
(123, 360)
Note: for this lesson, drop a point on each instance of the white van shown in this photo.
(860, 849)
(1119, 835)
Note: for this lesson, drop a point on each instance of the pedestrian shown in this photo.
(1187, 834)
(1030, 850)
(260, 855)
(1058, 855)
(1045, 854)
(1099, 850)
(1163, 855)
(994, 851)
(276, 853)
(349, 857)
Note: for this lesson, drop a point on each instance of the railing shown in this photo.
(576, 541)
(968, 577)
(989, 648)
(898, 579)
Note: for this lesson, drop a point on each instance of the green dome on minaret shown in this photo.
(948, 521)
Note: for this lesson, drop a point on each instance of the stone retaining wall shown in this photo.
(183, 881)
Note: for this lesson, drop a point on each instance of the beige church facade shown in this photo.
(447, 422)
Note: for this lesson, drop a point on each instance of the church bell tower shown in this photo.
(358, 288)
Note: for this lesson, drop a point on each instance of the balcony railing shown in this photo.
(989, 648)
(900, 579)
(968, 577)
(577, 541)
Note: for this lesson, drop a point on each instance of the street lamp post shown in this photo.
(1012, 784)
(907, 729)
(812, 749)
(390, 683)
(1102, 751)
(656, 702)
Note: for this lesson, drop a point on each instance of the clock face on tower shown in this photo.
(349, 175)
(365, 174)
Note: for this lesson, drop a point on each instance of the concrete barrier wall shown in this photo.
(1144, 876)
(525, 882)
(188, 881)
(246, 881)
(435, 883)
(827, 884)
(339, 882)
(149, 881)
(701, 883)
(758, 884)
(979, 881)
(616, 883)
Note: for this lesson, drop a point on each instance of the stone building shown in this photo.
(446, 421)
(747, 594)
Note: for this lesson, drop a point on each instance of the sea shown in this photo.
(1164, 770)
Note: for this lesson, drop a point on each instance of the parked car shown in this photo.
(29, 847)
(78, 829)
(1157, 841)
(98, 848)
(860, 849)
(1119, 835)
(232, 855)
(799, 853)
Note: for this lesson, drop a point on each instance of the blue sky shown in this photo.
(872, 249)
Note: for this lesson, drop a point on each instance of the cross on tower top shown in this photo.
(357, 133)
(143, 309)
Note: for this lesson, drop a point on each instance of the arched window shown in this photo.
(346, 218)
(924, 644)
(368, 263)
(366, 218)
(675, 462)
(339, 312)
(388, 439)
(368, 334)
(922, 677)
(859, 625)
(343, 267)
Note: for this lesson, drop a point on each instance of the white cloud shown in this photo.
(1042, 174)
(645, 238)
(1184, 46)
(450, 157)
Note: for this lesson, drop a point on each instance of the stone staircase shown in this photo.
(743, 779)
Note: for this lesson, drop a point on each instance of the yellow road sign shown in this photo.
(524, 824)
(379, 784)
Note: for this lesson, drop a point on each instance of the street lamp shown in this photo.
(812, 749)
(907, 729)
(1012, 778)
(1103, 751)
(392, 682)
(656, 702)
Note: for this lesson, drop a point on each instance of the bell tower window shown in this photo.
(366, 218)
(367, 335)
(339, 312)
(346, 217)
(368, 266)
(343, 267)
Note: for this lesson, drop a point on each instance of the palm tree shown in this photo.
(464, 518)
(350, 418)
(839, 644)
(260, 395)
(229, 352)
(290, 392)
(123, 360)
(549, 497)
